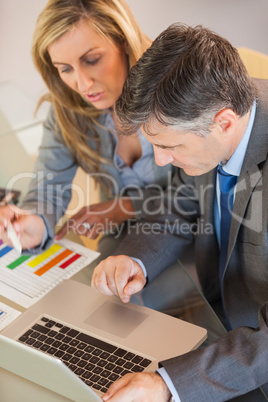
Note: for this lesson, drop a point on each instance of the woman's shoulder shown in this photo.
(50, 120)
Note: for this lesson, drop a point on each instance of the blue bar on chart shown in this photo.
(5, 250)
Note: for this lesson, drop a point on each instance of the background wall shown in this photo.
(243, 22)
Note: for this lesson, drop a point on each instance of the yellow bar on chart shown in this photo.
(42, 257)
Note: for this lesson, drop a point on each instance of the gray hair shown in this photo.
(183, 80)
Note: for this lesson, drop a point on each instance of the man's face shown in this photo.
(196, 155)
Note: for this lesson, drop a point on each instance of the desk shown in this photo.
(173, 292)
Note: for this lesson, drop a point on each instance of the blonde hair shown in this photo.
(111, 18)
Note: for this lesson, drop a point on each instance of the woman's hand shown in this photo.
(29, 227)
(92, 220)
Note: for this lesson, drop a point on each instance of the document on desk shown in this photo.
(25, 279)
(7, 315)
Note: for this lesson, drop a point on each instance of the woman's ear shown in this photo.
(126, 48)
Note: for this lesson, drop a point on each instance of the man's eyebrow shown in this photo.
(164, 146)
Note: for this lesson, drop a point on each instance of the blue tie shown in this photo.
(227, 183)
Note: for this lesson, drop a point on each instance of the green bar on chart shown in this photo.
(18, 261)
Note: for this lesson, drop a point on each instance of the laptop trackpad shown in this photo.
(116, 319)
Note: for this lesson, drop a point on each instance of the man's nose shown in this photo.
(162, 156)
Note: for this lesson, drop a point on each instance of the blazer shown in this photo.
(236, 363)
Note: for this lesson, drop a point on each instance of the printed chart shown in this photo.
(7, 315)
(24, 279)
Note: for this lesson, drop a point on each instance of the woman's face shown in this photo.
(90, 64)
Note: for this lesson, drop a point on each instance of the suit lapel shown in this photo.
(247, 182)
(250, 175)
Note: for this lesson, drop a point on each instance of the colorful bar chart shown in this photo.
(26, 278)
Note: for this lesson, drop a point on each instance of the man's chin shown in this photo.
(193, 171)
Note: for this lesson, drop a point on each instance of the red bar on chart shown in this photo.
(70, 261)
(53, 262)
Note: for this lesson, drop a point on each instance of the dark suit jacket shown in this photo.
(238, 362)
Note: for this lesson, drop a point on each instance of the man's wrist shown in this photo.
(174, 394)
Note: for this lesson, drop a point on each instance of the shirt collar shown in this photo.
(234, 164)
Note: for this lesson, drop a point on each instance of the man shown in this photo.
(194, 101)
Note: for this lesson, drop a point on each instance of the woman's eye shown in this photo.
(65, 70)
(92, 61)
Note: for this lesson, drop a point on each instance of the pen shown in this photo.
(14, 238)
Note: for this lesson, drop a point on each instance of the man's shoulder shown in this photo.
(261, 86)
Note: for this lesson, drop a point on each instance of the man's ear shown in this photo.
(226, 120)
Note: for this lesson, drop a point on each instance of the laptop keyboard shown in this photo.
(96, 362)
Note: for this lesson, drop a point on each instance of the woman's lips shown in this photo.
(95, 97)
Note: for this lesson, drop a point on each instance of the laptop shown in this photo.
(105, 340)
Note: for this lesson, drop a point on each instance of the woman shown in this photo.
(84, 49)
